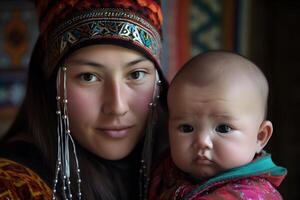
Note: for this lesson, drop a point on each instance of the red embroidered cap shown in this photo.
(66, 25)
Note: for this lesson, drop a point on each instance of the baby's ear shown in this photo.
(264, 134)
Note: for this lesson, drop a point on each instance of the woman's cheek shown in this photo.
(142, 101)
(82, 106)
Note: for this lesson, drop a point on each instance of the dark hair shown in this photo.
(101, 179)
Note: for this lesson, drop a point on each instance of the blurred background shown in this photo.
(266, 31)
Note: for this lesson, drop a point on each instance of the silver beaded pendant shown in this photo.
(62, 170)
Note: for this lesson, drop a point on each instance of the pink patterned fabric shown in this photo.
(168, 182)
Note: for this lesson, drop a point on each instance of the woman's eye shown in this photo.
(88, 77)
(137, 75)
(223, 128)
(186, 128)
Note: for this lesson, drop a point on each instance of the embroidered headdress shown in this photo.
(66, 25)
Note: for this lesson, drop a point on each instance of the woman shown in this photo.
(95, 91)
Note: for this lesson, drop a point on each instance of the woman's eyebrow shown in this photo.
(96, 64)
(133, 62)
(85, 62)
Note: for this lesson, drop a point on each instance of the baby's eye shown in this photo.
(137, 75)
(223, 128)
(89, 77)
(185, 128)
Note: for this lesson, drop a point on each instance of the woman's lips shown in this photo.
(116, 132)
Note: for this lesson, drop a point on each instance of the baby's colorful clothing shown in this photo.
(256, 180)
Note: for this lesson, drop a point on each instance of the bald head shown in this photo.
(224, 68)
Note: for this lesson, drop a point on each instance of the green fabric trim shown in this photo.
(258, 167)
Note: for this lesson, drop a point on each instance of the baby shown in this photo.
(217, 130)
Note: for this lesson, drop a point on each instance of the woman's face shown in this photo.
(109, 89)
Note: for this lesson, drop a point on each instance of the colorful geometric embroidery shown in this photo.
(193, 26)
(104, 24)
(205, 25)
(18, 32)
(19, 182)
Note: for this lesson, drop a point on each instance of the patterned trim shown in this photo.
(19, 182)
(104, 23)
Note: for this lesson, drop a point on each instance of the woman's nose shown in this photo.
(203, 141)
(114, 100)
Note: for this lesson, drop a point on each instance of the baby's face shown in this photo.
(212, 128)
